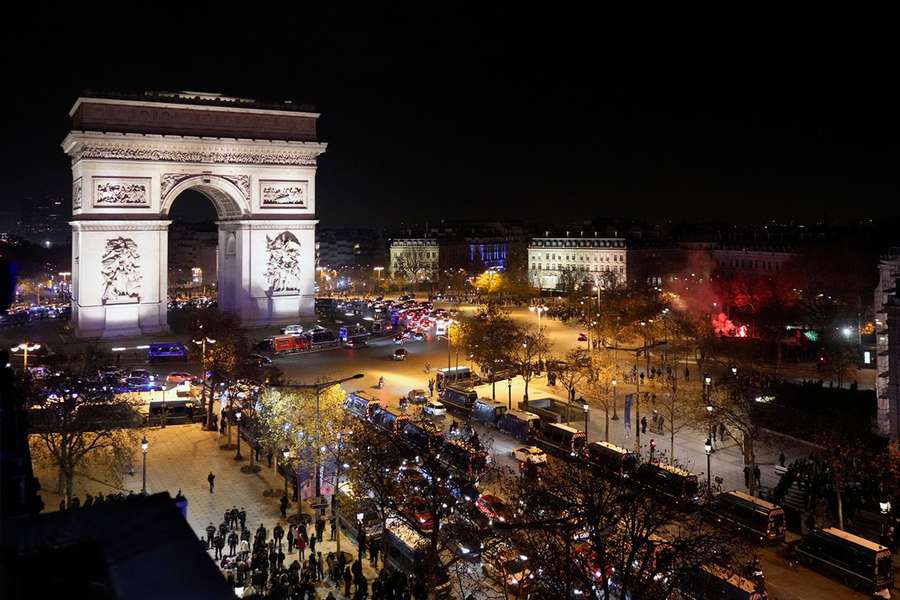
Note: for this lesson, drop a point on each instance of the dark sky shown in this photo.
(499, 113)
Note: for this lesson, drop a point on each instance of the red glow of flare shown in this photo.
(723, 326)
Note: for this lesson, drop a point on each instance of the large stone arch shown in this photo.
(133, 156)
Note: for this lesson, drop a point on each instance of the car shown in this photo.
(495, 508)
(465, 541)
(462, 489)
(400, 354)
(417, 396)
(416, 508)
(142, 373)
(530, 454)
(110, 371)
(418, 336)
(140, 384)
(259, 360)
(582, 337)
(502, 563)
(355, 343)
(292, 330)
(398, 339)
(177, 377)
(40, 372)
(434, 408)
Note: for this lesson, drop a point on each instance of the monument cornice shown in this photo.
(131, 225)
(133, 147)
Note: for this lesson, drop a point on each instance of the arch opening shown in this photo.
(193, 264)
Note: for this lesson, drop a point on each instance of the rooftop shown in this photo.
(199, 98)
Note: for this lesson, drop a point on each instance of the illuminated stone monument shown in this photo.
(131, 158)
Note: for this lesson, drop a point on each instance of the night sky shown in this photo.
(498, 113)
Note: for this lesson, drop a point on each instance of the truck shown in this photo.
(361, 404)
(459, 399)
(561, 440)
(522, 425)
(466, 458)
(289, 344)
(542, 408)
(386, 419)
(408, 552)
(455, 376)
(612, 459)
(488, 412)
(424, 435)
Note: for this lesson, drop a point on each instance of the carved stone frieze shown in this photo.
(125, 192)
(283, 263)
(76, 194)
(120, 268)
(279, 194)
(170, 180)
(133, 152)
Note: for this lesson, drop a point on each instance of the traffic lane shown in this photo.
(799, 583)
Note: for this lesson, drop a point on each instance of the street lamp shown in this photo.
(615, 416)
(509, 398)
(237, 417)
(202, 342)
(318, 387)
(587, 410)
(709, 426)
(709, 449)
(145, 445)
(26, 347)
(286, 454)
(378, 270)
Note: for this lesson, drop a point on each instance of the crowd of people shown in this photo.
(289, 563)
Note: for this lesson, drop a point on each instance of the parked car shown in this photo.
(434, 408)
(530, 454)
(142, 373)
(417, 396)
(141, 384)
(292, 330)
(259, 360)
(177, 377)
(495, 508)
(418, 336)
(504, 564)
(398, 339)
(355, 343)
(400, 354)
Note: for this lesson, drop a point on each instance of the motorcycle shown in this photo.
(381, 383)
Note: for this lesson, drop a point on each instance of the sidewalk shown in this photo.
(181, 457)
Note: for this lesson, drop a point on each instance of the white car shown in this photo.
(293, 330)
(417, 396)
(530, 454)
(434, 408)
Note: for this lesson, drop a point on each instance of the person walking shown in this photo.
(781, 458)
(320, 528)
(312, 544)
(210, 535)
(320, 566)
(747, 476)
(219, 544)
(212, 481)
(278, 534)
(722, 432)
(652, 449)
(332, 522)
(348, 579)
(290, 538)
(362, 542)
(757, 474)
(357, 572)
(242, 517)
(283, 503)
(373, 553)
(644, 424)
(232, 542)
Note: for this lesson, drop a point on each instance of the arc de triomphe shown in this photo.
(131, 158)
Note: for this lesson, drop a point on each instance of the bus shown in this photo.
(487, 411)
(522, 425)
(166, 351)
(855, 561)
(672, 482)
(562, 440)
(712, 581)
(288, 344)
(752, 516)
(352, 332)
(424, 436)
(612, 459)
(173, 412)
(465, 458)
(361, 404)
(408, 552)
(384, 418)
(459, 399)
(456, 375)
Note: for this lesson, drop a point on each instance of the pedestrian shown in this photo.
(242, 517)
(644, 424)
(232, 542)
(747, 476)
(357, 572)
(223, 529)
(278, 534)
(219, 545)
(210, 534)
(722, 432)
(320, 566)
(226, 518)
(348, 579)
(312, 544)
(320, 528)
(361, 541)
(655, 420)
(313, 566)
(662, 428)
(290, 538)
(283, 503)
(301, 545)
(781, 458)
(757, 474)
(261, 533)
(212, 481)
(373, 553)
(332, 522)
(652, 449)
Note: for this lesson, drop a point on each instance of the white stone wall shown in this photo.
(548, 261)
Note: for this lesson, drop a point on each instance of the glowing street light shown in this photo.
(26, 347)
(145, 445)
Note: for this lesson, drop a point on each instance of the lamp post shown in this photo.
(708, 447)
(202, 342)
(26, 347)
(145, 445)
(615, 416)
(707, 381)
(587, 410)
(509, 388)
(637, 381)
(237, 417)
(286, 454)
(318, 387)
